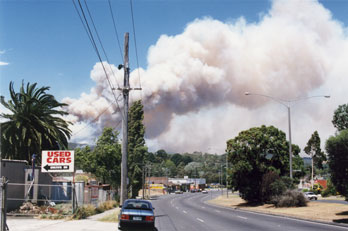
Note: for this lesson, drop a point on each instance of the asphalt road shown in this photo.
(189, 212)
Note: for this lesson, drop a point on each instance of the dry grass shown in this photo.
(328, 212)
(112, 217)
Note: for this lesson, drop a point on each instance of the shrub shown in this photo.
(290, 198)
(84, 212)
(326, 193)
(273, 186)
(107, 205)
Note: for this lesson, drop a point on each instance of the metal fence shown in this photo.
(23, 199)
(30, 198)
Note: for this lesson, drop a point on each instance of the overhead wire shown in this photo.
(136, 48)
(90, 35)
(115, 29)
(100, 42)
(95, 119)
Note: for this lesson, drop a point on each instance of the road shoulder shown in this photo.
(315, 211)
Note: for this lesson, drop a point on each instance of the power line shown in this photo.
(90, 35)
(135, 45)
(115, 29)
(100, 42)
(95, 119)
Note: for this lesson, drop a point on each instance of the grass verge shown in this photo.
(112, 217)
(327, 212)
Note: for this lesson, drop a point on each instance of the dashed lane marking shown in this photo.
(242, 217)
(184, 211)
(200, 220)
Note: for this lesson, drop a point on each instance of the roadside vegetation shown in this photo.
(89, 210)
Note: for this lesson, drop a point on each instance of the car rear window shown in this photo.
(137, 205)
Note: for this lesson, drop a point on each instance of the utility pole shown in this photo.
(125, 91)
(144, 177)
(226, 175)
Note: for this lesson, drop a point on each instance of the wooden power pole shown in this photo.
(125, 90)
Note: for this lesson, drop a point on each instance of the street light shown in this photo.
(287, 104)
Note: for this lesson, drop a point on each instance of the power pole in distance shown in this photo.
(125, 90)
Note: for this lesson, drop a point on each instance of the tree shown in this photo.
(340, 118)
(253, 153)
(105, 160)
(35, 123)
(337, 149)
(136, 146)
(176, 158)
(313, 149)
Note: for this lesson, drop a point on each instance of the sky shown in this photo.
(196, 59)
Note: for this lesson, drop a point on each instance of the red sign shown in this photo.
(57, 161)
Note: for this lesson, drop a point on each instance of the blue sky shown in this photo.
(44, 41)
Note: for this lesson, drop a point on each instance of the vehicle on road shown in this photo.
(136, 213)
(179, 192)
(204, 191)
(311, 196)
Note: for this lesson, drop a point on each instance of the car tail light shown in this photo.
(124, 217)
(149, 218)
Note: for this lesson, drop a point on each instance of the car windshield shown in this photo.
(138, 205)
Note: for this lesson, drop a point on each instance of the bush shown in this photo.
(107, 205)
(273, 186)
(84, 212)
(326, 193)
(290, 198)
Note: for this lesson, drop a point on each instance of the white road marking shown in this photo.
(176, 207)
(242, 217)
(217, 211)
(184, 211)
(203, 207)
(200, 219)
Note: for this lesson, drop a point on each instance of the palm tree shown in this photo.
(35, 123)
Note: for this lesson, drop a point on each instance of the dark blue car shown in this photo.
(136, 213)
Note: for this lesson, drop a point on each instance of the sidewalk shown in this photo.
(33, 224)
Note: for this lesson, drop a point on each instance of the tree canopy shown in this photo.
(136, 146)
(104, 160)
(34, 124)
(337, 149)
(340, 118)
(254, 153)
(313, 149)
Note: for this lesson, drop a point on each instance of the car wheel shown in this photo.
(316, 198)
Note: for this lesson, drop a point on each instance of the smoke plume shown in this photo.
(194, 84)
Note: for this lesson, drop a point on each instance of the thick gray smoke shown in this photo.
(194, 84)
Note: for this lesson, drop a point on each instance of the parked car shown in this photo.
(311, 196)
(204, 191)
(179, 192)
(136, 213)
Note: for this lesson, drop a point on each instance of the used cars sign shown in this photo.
(57, 161)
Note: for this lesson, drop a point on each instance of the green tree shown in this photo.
(249, 156)
(34, 124)
(313, 149)
(340, 118)
(176, 158)
(104, 160)
(337, 149)
(136, 146)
